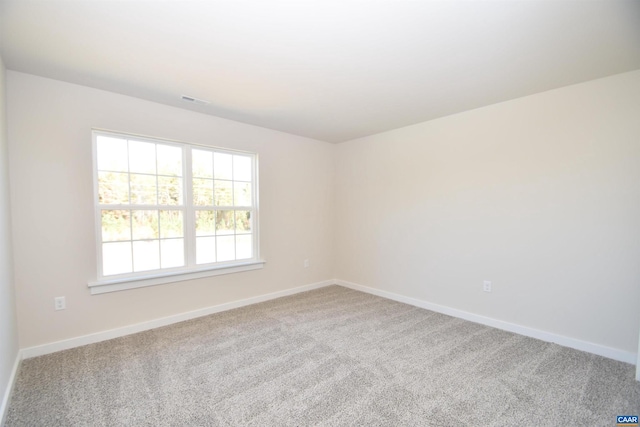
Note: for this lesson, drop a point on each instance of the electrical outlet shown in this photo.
(306, 263)
(60, 303)
(486, 286)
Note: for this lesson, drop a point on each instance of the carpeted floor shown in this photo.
(328, 357)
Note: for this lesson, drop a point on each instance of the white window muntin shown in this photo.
(187, 208)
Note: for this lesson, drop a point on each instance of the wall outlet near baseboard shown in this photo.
(60, 303)
(486, 285)
(306, 263)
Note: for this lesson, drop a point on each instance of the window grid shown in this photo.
(223, 199)
(156, 210)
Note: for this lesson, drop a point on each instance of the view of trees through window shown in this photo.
(159, 201)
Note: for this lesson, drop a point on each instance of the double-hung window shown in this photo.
(168, 211)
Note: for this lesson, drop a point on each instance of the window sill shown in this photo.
(121, 284)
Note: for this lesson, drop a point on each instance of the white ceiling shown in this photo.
(330, 70)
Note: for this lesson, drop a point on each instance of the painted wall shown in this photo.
(51, 181)
(540, 195)
(8, 323)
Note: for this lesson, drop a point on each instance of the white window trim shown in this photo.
(123, 283)
(158, 277)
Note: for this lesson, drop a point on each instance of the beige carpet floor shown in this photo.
(328, 357)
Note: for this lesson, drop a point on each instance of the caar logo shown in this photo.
(627, 420)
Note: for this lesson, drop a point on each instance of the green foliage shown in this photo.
(243, 221)
(142, 224)
(116, 225)
(205, 223)
(171, 224)
(113, 188)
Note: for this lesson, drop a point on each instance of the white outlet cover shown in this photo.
(486, 286)
(60, 303)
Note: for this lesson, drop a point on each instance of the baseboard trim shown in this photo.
(4, 407)
(26, 353)
(53, 347)
(600, 350)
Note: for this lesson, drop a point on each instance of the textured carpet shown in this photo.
(332, 356)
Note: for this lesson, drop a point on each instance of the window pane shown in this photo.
(169, 160)
(116, 258)
(241, 168)
(243, 221)
(202, 163)
(242, 193)
(222, 166)
(144, 222)
(224, 222)
(202, 192)
(205, 250)
(169, 190)
(244, 246)
(112, 154)
(146, 255)
(145, 225)
(171, 224)
(205, 223)
(113, 188)
(172, 253)
(142, 157)
(143, 189)
(223, 193)
(226, 248)
(116, 225)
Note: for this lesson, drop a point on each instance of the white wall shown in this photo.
(8, 323)
(540, 195)
(51, 182)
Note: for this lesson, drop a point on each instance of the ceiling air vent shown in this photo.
(194, 100)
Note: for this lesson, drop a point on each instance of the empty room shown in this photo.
(319, 213)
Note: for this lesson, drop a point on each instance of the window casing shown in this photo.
(171, 209)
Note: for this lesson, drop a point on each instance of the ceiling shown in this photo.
(329, 70)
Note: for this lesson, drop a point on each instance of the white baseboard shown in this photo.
(611, 353)
(600, 350)
(164, 321)
(4, 407)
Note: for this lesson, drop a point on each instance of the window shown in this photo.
(165, 209)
